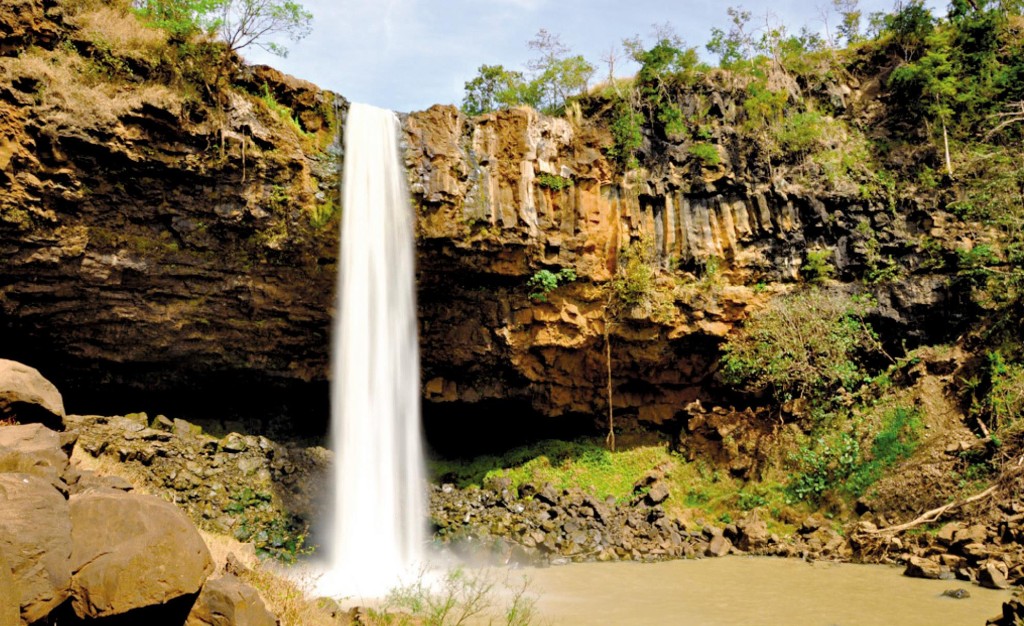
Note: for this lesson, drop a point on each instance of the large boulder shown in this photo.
(131, 551)
(10, 607)
(35, 537)
(28, 397)
(227, 601)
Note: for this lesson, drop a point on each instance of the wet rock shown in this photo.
(131, 551)
(35, 539)
(227, 601)
(1012, 613)
(27, 396)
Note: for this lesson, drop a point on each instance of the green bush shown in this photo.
(633, 284)
(838, 462)
(705, 152)
(817, 267)
(544, 282)
(805, 344)
(554, 182)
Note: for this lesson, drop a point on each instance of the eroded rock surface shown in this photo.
(131, 551)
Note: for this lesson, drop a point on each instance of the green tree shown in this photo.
(735, 46)
(181, 18)
(244, 23)
(849, 25)
(557, 75)
(931, 79)
(495, 87)
(239, 23)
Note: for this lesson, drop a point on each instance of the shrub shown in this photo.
(554, 181)
(705, 152)
(817, 267)
(808, 343)
(544, 282)
(634, 282)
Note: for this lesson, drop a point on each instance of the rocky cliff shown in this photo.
(510, 193)
(155, 237)
(163, 232)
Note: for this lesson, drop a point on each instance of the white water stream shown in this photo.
(379, 525)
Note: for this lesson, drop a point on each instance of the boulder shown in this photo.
(28, 397)
(10, 607)
(919, 567)
(32, 449)
(993, 574)
(35, 538)
(131, 551)
(718, 546)
(227, 601)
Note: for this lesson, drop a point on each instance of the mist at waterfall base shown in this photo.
(375, 537)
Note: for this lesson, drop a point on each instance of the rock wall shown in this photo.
(491, 213)
(155, 243)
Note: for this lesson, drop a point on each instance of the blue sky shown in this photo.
(408, 54)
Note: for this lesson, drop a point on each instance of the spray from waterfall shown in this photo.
(378, 528)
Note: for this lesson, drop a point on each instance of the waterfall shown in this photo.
(379, 523)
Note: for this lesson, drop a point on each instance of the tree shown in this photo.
(240, 23)
(557, 75)
(849, 27)
(495, 87)
(181, 18)
(735, 46)
(933, 80)
(243, 23)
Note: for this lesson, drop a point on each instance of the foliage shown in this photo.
(837, 461)
(633, 284)
(239, 23)
(808, 343)
(181, 18)
(461, 597)
(584, 464)
(1000, 395)
(817, 267)
(272, 534)
(554, 182)
(705, 152)
(244, 23)
(494, 87)
(556, 76)
(545, 281)
(627, 134)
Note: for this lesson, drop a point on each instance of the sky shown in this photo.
(406, 55)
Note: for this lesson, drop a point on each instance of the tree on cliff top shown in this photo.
(239, 23)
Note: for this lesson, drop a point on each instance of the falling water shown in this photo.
(379, 522)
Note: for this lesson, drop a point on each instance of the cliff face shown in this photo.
(152, 240)
(161, 233)
(717, 241)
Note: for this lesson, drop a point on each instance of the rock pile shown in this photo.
(76, 546)
(240, 485)
(989, 555)
(541, 524)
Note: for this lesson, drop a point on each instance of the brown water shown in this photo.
(744, 591)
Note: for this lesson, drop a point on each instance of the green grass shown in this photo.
(695, 489)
